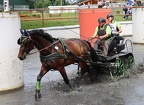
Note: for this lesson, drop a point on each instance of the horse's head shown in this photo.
(26, 45)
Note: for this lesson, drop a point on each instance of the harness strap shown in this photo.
(64, 46)
(57, 54)
(52, 56)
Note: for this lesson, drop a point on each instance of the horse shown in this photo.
(56, 53)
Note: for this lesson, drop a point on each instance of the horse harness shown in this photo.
(57, 54)
(60, 55)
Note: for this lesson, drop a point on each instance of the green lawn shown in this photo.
(60, 22)
(51, 23)
(47, 23)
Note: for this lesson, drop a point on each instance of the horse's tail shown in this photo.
(93, 54)
(94, 58)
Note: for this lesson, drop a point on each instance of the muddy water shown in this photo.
(126, 91)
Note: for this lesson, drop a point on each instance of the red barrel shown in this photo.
(88, 20)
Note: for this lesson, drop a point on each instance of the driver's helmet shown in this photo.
(101, 20)
(110, 15)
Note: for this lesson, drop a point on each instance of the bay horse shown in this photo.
(56, 53)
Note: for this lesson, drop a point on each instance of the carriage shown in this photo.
(119, 60)
(56, 53)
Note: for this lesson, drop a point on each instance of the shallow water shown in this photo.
(126, 91)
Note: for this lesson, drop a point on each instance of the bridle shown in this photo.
(27, 40)
(45, 48)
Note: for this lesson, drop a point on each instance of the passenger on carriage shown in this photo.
(115, 26)
(103, 35)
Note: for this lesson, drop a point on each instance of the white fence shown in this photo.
(126, 28)
(21, 7)
(62, 9)
(16, 7)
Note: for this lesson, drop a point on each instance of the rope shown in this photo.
(44, 48)
(89, 39)
(72, 31)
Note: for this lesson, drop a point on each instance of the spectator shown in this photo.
(83, 3)
(139, 3)
(125, 9)
(129, 12)
(130, 2)
(107, 3)
(100, 4)
(88, 4)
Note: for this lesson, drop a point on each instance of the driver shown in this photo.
(103, 35)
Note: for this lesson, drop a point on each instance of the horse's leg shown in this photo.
(39, 77)
(85, 68)
(78, 72)
(64, 75)
(90, 73)
(82, 72)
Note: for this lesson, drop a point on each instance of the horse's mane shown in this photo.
(43, 34)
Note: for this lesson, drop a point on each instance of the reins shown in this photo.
(72, 30)
(101, 42)
(55, 55)
(45, 47)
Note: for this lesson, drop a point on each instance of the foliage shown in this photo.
(31, 4)
(52, 2)
(28, 15)
(36, 15)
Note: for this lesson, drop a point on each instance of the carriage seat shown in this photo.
(118, 38)
(120, 47)
(100, 47)
(114, 46)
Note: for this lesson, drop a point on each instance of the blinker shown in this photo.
(25, 33)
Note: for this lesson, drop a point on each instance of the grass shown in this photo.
(60, 22)
(120, 18)
(51, 23)
(47, 23)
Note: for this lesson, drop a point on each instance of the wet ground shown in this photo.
(126, 91)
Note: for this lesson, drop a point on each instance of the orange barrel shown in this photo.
(88, 20)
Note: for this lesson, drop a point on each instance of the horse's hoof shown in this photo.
(70, 90)
(37, 96)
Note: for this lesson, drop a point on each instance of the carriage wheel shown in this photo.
(118, 69)
(131, 62)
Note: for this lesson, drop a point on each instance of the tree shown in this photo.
(52, 2)
(46, 3)
(31, 4)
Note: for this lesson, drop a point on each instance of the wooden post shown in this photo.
(43, 18)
